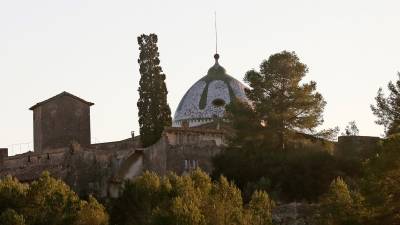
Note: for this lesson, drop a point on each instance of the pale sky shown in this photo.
(89, 48)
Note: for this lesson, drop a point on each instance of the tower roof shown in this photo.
(64, 93)
(206, 99)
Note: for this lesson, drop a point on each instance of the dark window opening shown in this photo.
(218, 102)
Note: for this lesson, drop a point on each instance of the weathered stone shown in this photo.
(294, 214)
(60, 120)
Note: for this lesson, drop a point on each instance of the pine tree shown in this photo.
(260, 208)
(281, 102)
(340, 206)
(351, 129)
(387, 109)
(154, 111)
(11, 217)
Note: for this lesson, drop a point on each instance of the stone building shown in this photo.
(60, 120)
(62, 140)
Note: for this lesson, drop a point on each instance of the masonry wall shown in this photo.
(155, 156)
(184, 136)
(86, 170)
(183, 158)
(3, 155)
(58, 122)
(357, 146)
(191, 148)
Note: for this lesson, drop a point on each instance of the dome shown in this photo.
(206, 99)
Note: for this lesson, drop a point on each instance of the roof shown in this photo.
(62, 94)
(207, 98)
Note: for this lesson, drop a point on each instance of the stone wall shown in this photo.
(155, 156)
(294, 214)
(87, 170)
(59, 121)
(357, 146)
(184, 136)
(3, 155)
(100, 169)
(183, 158)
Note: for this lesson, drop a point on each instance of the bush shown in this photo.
(293, 175)
(46, 201)
(187, 200)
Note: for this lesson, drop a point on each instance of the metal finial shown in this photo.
(216, 57)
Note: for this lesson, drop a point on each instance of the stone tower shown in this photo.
(60, 120)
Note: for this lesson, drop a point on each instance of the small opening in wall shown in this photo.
(218, 102)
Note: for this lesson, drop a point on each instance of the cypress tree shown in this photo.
(154, 111)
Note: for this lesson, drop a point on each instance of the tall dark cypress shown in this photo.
(154, 111)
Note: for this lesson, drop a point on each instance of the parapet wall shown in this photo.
(28, 166)
(87, 170)
(185, 136)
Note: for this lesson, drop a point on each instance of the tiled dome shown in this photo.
(207, 98)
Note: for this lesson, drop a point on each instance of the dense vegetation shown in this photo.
(188, 200)
(270, 149)
(154, 111)
(46, 201)
(294, 175)
(350, 189)
(387, 109)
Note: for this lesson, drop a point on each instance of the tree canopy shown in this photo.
(191, 199)
(387, 109)
(46, 201)
(351, 129)
(281, 99)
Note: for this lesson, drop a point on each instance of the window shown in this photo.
(191, 164)
(218, 102)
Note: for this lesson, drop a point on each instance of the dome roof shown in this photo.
(207, 98)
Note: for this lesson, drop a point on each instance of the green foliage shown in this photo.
(340, 206)
(351, 129)
(377, 202)
(279, 98)
(154, 111)
(50, 201)
(12, 194)
(92, 213)
(381, 183)
(138, 200)
(226, 203)
(387, 109)
(187, 200)
(283, 110)
(248, 128)
(47, 201)
(11, 217)
(260, 208)
(296, 174)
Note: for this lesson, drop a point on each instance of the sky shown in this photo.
(89, 48)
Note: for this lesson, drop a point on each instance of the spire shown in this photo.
(216, 56)
(216, 32)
